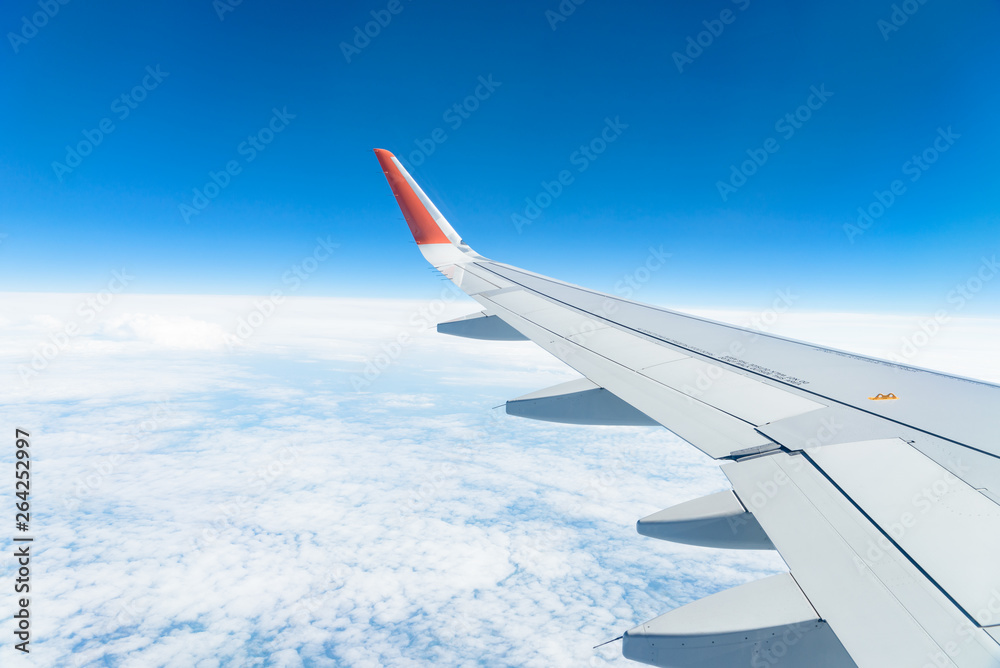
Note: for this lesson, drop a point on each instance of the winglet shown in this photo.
(426, 223)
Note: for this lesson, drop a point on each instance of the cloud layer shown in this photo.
(327, 492)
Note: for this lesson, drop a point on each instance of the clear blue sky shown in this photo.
(656, 184)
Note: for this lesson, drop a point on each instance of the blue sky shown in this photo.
(892, 92)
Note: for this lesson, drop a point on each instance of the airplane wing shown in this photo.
(877, 483)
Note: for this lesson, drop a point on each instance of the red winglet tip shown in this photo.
(419, 220)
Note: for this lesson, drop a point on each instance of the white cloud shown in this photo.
(201, 505)
(172, 332)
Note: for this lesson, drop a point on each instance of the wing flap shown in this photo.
(883, 608)
(938, 520)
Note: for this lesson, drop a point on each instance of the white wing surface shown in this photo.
(877, 483)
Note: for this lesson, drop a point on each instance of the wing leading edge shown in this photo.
(885, 510)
